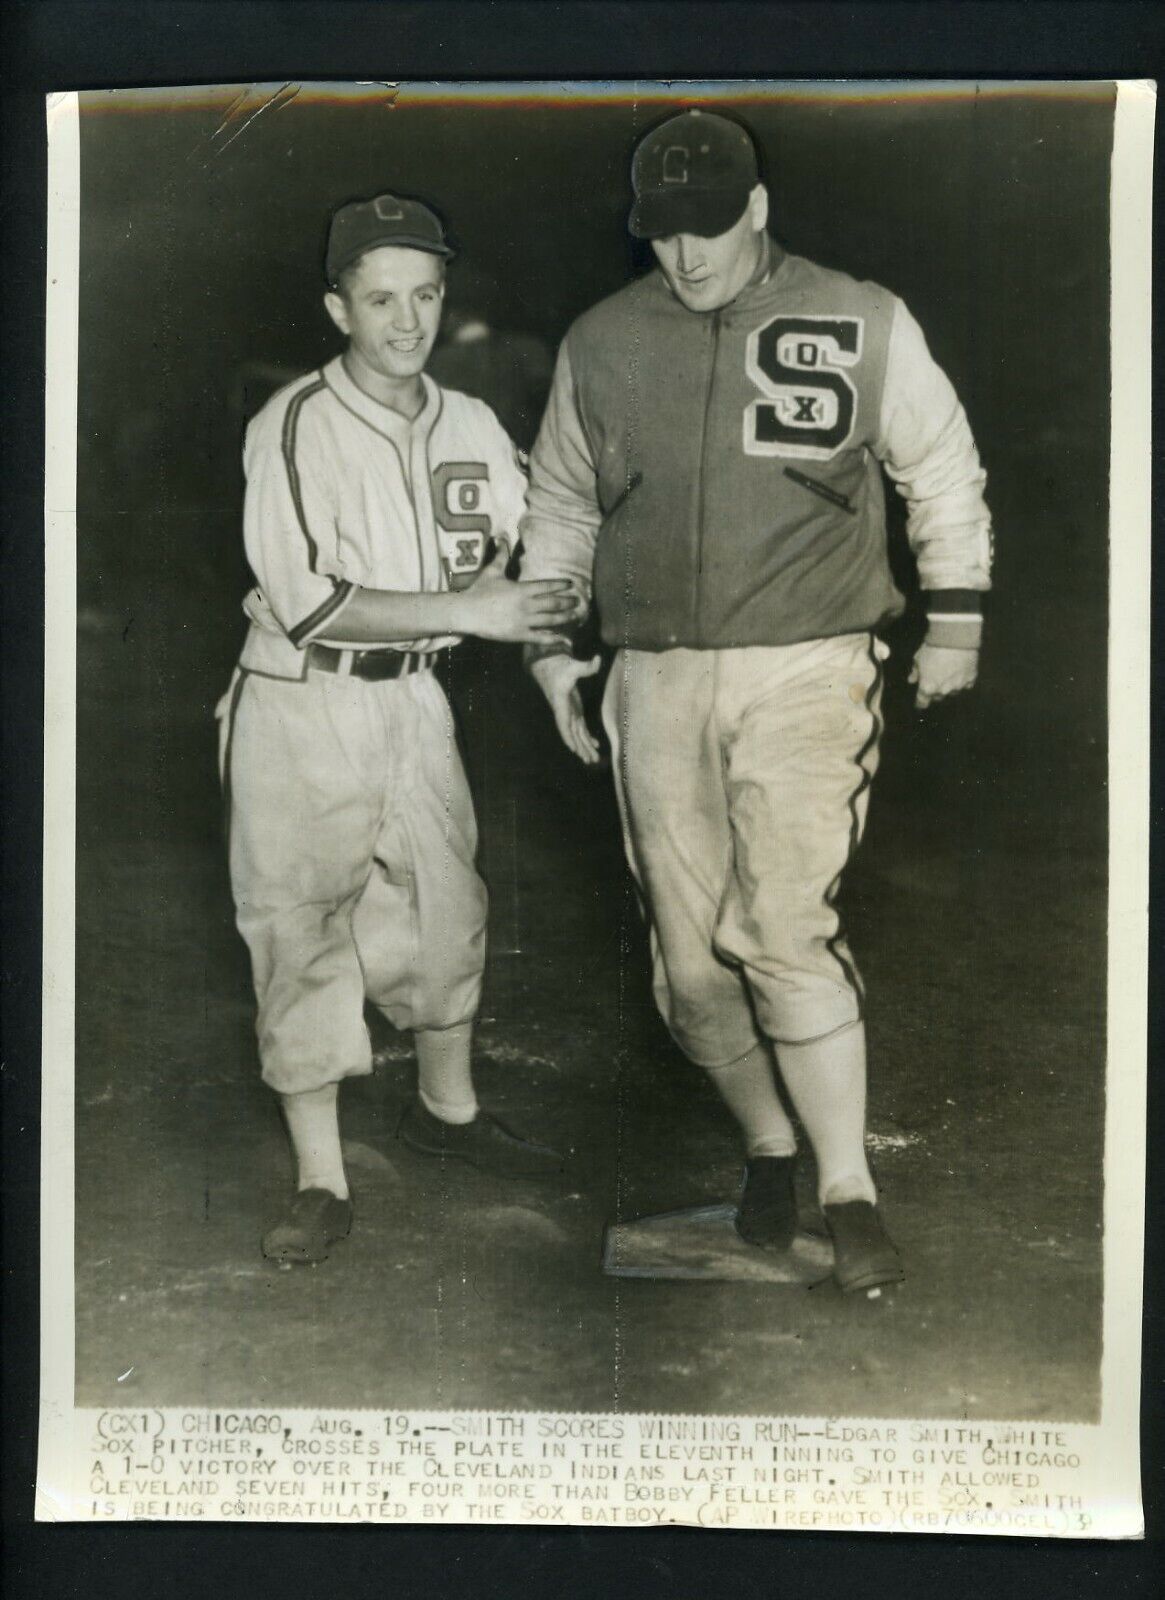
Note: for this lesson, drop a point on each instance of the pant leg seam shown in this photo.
(865, 781)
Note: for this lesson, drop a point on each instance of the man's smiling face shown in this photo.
(389, 305)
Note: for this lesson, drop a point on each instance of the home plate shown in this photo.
(702, 1242)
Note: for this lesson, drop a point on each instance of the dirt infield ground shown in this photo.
(976, 909)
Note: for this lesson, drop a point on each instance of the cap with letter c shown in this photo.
(364, 225)
(692, 174)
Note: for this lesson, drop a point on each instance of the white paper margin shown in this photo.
(56, 1455)
(1130, 545)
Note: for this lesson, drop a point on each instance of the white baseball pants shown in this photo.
(743, 778)
(352, 841)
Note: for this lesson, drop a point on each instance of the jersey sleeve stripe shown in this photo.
(290, 424)
(303, 630)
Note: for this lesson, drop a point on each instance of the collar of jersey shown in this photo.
(382, 418)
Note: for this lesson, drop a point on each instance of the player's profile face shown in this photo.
(390, 309)
(705, 274)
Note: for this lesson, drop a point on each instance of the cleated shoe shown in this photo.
(315, 1219)
(484, 1143)
(767, 1214)
(864, 1256)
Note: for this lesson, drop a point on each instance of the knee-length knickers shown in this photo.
(352, 841)
(743, 778)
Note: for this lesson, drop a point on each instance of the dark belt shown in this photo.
(375, 666)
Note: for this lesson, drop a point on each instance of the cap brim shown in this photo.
(409, 242)
(704, 212)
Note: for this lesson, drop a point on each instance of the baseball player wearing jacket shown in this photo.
(709, 472)
(374, 503)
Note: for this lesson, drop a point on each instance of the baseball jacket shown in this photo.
(714, 479)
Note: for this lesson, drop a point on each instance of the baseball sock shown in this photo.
(826, 1080)
(313, 1125)
(747, 1088)
(445, 1073)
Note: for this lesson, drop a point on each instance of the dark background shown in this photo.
(53, 44)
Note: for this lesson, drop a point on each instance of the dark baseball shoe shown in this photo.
(484, 1143)
(767, 1214)
(315, 1219)
(864, 1255)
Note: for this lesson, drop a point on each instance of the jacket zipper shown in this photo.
(703, 473)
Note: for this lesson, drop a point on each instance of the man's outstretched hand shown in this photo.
(558, 677)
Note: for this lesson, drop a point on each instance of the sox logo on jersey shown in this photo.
(463, 525)
(798, 364)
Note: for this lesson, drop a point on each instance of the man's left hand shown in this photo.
(940, 671)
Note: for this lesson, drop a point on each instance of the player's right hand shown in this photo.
(558, 677)
(496, 607)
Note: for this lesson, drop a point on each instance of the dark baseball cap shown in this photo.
(692, 174)
(363, 225)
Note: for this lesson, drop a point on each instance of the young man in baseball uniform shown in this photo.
(376, 505)
(709, 471)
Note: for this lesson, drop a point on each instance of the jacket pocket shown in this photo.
(633, 483)
(824, 491)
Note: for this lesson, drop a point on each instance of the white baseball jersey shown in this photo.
(343, 493)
